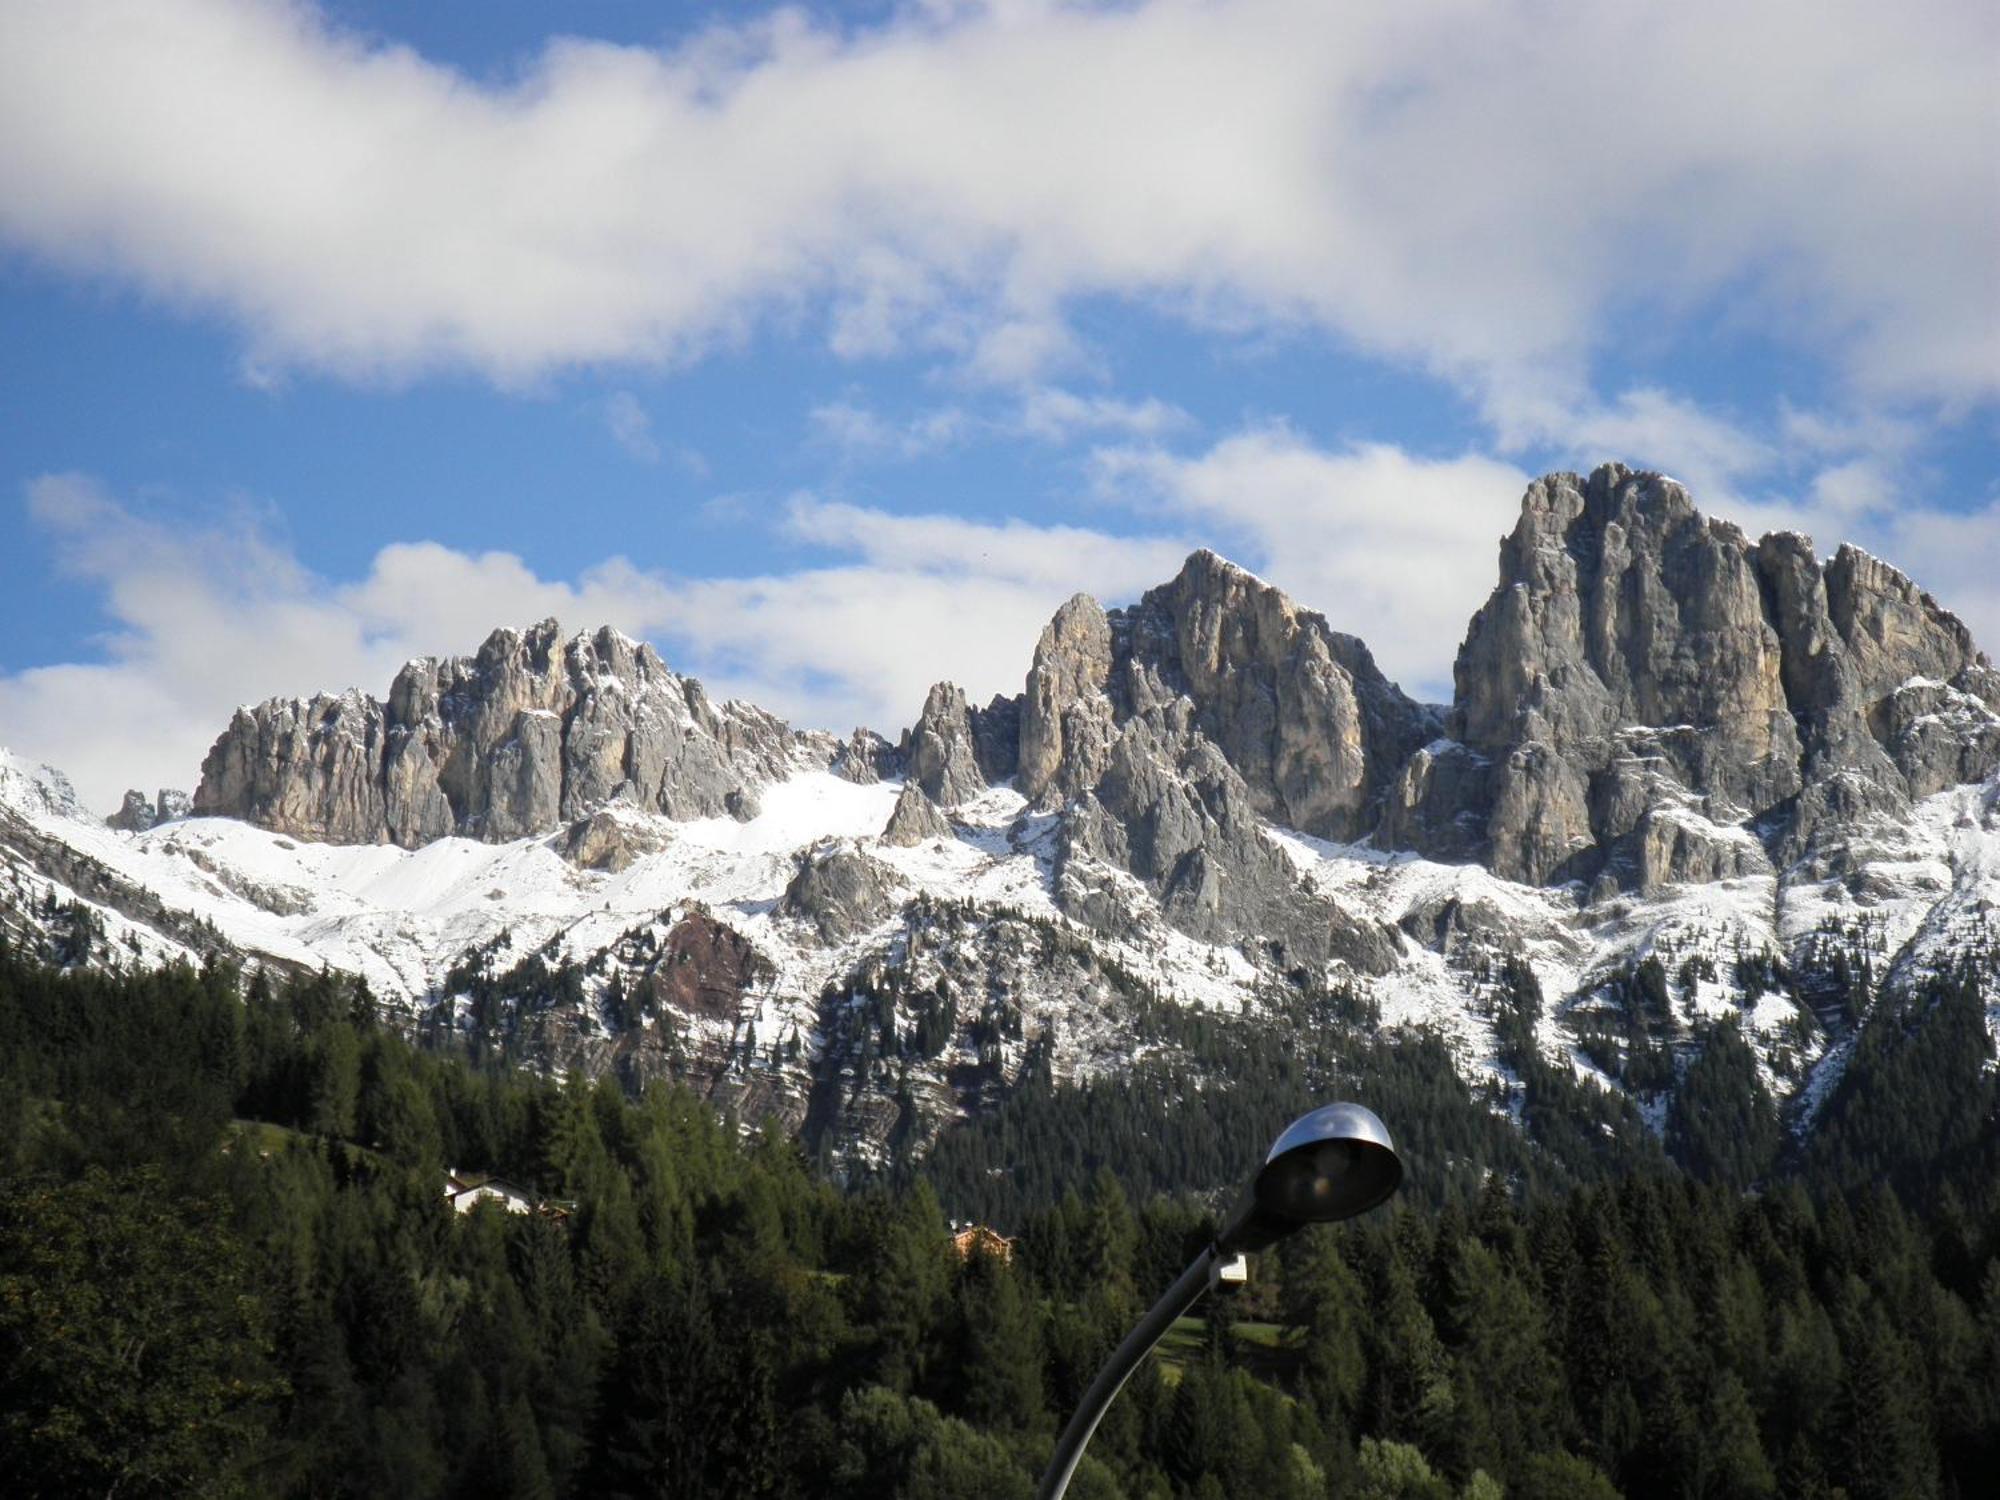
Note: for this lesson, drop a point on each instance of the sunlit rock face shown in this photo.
(956, 751)
(1300, 711)
(1650, 697)
(915, 819)
(528, 734)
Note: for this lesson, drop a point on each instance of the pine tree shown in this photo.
(1509, 1388)
(1325, 1310)
(998, 1359)
(334, 1061)
(1410, 1387)
(902, 1285)
(1732, 1454)
(133, 1358)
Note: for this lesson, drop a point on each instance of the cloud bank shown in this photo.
(1479, 189)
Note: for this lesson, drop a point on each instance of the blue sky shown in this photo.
(831, 348)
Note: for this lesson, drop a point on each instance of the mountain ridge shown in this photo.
(1186, 806)
(1636, 661)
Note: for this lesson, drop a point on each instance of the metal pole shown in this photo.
(1182, 1295)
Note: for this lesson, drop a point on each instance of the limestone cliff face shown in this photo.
(955, 751)
(529, 734)
(1168, 734)
(1299, 711)
(1067, 721)
(308, 767)
(1645, 686)
(1647, 697)
(1623, 661)
(1619, 604)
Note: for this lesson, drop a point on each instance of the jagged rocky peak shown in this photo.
(138, 812)
(956, 751)
(1619, 603)
(1299, 710)
(1167, 733)
(1894, 699)
(915, 819)
(865, 757)
(134, 815)
(1647, 697)
(1066, 715)
(532, 732)
(1646, 685)
(1893, 630)
(1864, 647)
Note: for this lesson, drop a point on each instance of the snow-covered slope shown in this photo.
(414, 923)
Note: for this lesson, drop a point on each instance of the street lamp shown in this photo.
(1332, 1164)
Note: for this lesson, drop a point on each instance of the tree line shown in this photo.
(227, 1267)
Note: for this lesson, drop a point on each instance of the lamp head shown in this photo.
(1331, 1164)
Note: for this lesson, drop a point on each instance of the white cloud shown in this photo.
(1014, 551)
(1853, 487)
(1644, 427)
(928, 598)
(1056, 415)
(211, 617)
(859, 432)
(1044, 413)
(1017, 349)
(1475, 187)
(631, 427)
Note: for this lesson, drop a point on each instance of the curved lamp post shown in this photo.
(1332, 1164)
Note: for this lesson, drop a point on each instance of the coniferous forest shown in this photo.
(228, 1267)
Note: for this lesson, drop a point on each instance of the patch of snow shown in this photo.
(1926, 887)
(1819, 1086)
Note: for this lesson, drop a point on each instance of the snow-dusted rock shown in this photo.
(841, 891)
(1766, 782)
(915, 819)
(135, 814)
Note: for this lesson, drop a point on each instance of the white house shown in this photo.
(465, 1191)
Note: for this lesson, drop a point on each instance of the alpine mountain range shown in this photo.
(1689, 783)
